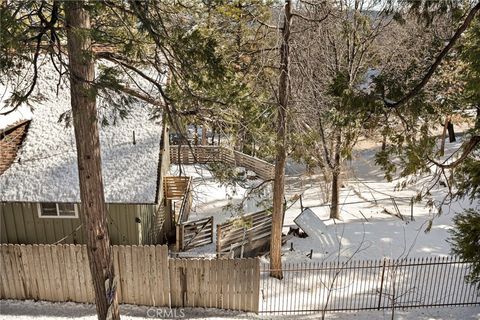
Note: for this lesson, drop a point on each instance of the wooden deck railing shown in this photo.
(176, 187)
(244, 235)
(207, 154)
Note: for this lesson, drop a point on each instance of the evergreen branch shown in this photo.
(438, 60)
(467, 147)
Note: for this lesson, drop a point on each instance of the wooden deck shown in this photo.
(207, 154)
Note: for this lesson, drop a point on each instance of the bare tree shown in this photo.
(279, 182)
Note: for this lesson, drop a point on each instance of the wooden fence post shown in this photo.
(256, 285)
(179, 242)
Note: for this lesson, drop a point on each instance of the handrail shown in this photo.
(184, 210)
(205, 154)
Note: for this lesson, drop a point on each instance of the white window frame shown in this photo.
(58, 216)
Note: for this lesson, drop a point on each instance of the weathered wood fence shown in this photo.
(206, 154)
(191, 234)
(220, 283)
(176, 187)
(244, 235)
(368, 285)
(146, 276)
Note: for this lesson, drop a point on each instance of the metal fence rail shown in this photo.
(367, 285)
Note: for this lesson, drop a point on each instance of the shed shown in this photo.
(39, 185)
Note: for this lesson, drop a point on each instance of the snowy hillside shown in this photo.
(367, 229)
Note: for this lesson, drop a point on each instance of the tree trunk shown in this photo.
(334, 208)
(93, 209)
(444, 134)
(195, 135)
(451, 132)
(279, 183)
(204, 135)
(212, 142)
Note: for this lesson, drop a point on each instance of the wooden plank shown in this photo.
(147, 278)
(9, 270)
(81, 274)
(174, 282)
(29, 267)
(6, 269)
(3, 273)
(56, 274)
(73, 278)
(220, 283)
(40, 277)
(116, 268)
(139, 270)
(224, 277)
(242, 279)
(162, 281)
(129, 276)
(151, 276)
(90, 296)
(232, 283)
(256, 285)
(16, 281)
(214, 287)
(199, 289)
(23, 270)
(65, 272)
(46, 265)
(205, 289)
(165, 271)
(136, 274)
(127, 289)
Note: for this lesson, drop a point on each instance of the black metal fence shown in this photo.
(367, 285)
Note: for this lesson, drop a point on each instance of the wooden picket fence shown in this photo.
(183, 154)
(146, 276)
(244, 235)
(219, 283)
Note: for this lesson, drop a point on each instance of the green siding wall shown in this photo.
(19, 223)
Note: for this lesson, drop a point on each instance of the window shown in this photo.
(57, 210)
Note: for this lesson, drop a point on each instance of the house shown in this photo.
(39, 185)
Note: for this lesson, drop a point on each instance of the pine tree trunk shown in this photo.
(444, 134)
(334, 208)
(451, 132)
(212, 142)
(93, 208)
(279, 184)
(204, 135)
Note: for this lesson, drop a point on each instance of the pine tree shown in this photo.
(466, 241)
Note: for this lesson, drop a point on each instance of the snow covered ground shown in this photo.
(365, 229)
(23, 310)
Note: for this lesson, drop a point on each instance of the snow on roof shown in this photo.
(45, 169)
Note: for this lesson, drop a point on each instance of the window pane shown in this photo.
(66, 209)
(48, 209)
